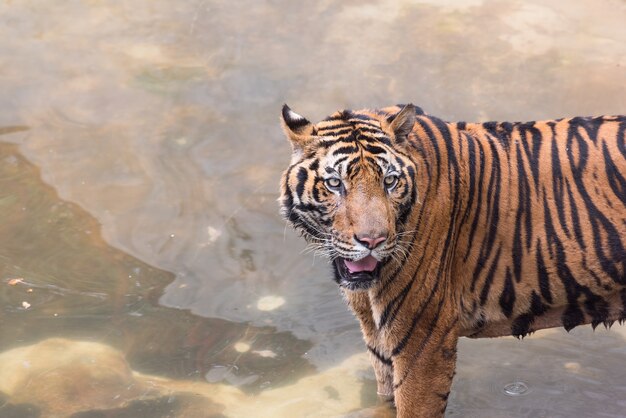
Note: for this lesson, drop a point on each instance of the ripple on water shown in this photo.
(517, 388)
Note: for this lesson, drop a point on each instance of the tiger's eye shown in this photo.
(333, 183)
(390, 181)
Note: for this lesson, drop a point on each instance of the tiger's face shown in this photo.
(350, 188)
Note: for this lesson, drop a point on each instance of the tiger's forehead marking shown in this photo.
(353, 142)
(345, 122)
(354, 154)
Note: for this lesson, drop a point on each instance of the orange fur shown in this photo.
(492, 229)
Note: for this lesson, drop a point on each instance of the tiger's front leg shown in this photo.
(383, 369)
(359, 303)
(423, 374)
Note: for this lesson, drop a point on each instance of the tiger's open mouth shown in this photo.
(357, 275)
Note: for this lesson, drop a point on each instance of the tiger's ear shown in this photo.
(297, 128)
(401, 124)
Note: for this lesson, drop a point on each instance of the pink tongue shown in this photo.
(365, 264)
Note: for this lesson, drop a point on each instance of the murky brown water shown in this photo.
(140, 154)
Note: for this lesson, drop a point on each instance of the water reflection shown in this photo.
(155, 122)
(61, 279)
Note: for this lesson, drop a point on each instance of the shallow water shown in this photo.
(140, 155)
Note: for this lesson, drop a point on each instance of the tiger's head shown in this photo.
(350, 188)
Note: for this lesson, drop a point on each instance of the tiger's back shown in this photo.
(552, 200)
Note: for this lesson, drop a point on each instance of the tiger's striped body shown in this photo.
(493, 229)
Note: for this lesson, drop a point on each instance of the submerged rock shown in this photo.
(61, 378)
(64, 378)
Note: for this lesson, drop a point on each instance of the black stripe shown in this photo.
(340, 160)
(364, 124)
(521, 325)
(339, 132)
(616, 180)
(507, 297)
(478, 212)
(533, 153)
(578, 234)
(406, 208)
(596, 307)
(317, 187)
(302, 178)
(471, 162)
(543, 275)
(489, 278)
(523, 213)
(431, 137)
(367, 130)
(345, 150)
(351, 166)
(379, 356)
(500, 131)
(359, 117)
(373, 149)
(333, 127)
(621, 137)
(558, 188)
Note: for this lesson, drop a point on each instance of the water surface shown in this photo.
(140, 155)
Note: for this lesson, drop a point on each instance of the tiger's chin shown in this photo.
(355, 281)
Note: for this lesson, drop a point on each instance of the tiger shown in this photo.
(438, 230)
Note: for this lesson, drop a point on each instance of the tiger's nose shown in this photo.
(370, 242)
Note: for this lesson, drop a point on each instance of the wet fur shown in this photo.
(511, 228)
